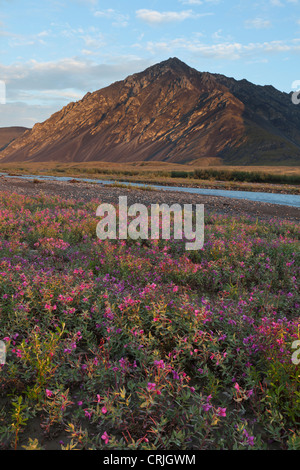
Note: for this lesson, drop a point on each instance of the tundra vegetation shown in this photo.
(140, 344)
(253, 178)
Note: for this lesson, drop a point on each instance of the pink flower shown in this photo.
(104, 410)
(221, 411)
(236, 386)
(49, 393)
(175, 289)
(18, 352)
(105, 437)
(151, 386)
(206, 407)
(160, 364)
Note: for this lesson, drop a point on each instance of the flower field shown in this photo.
(141, 344)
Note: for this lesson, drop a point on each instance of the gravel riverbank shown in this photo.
(110, 194)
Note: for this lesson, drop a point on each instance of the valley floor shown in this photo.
(110, 194)
(130, 345)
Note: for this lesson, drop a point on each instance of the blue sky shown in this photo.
(53, 52)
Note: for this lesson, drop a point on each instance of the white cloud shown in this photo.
(21, 114)
(280, 3)
(35, 90)
(65, 78)
(104, 13)
(258, 23)
(198, 2)
(118, 19)
(94, 41)
(222, 50)
(219, 36)
(192, 2)
(276, 3)
(16, 39)
(154, 17)
(91, 2)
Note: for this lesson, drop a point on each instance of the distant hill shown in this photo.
(8, 134)
(169, 112)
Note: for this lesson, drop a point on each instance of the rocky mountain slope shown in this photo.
(8, 134)
(169, 112)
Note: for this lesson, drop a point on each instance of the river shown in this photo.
(271, 198)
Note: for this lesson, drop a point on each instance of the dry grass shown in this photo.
(169, 174)
(143, 167)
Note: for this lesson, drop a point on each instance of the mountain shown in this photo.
(8, 134)
(169, 112)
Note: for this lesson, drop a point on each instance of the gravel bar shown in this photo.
(110, 194)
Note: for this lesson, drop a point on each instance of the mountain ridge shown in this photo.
(168, 112)
(8, 134)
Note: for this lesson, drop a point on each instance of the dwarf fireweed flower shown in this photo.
(105, 437)
(206, 407)
(249, 439)
(160, 364)
(151, 386)
(221, 411)
(175, 375)
(18, 352)
(88, 414)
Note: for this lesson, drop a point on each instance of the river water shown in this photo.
(271, 198)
